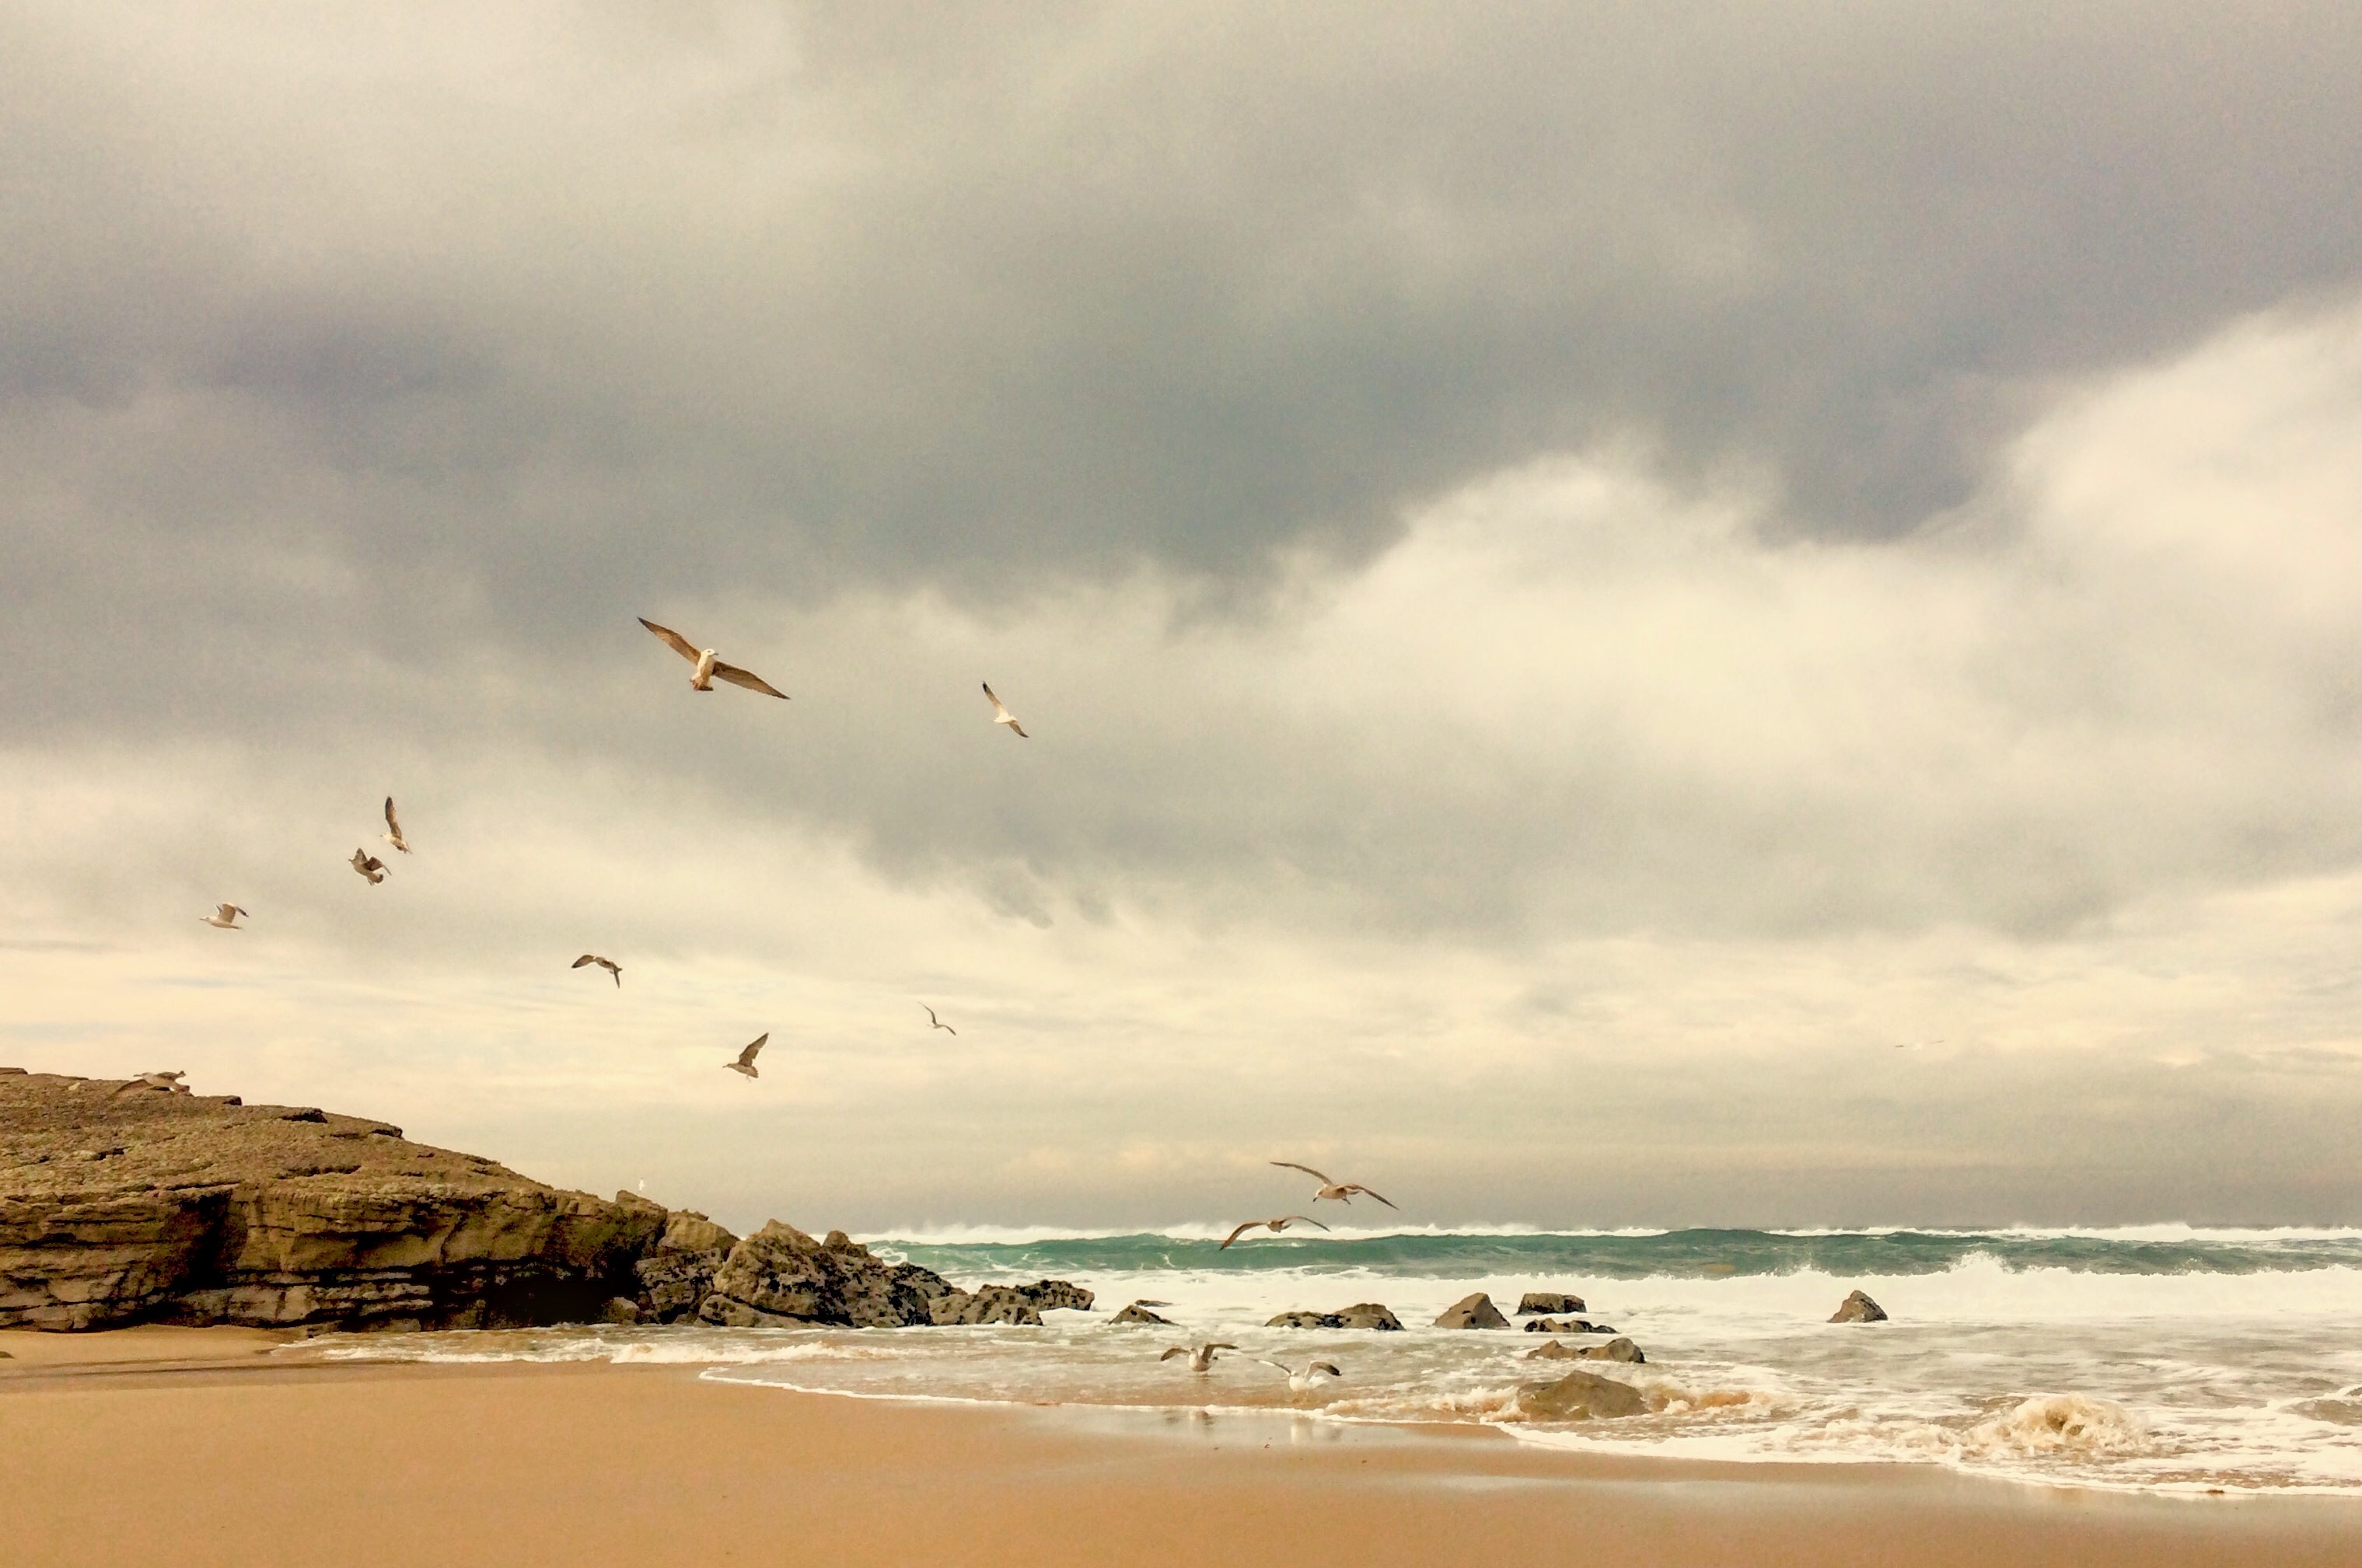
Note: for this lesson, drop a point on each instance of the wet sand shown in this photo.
(196, 1447)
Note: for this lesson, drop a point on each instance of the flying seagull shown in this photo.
(939, 1024)
(709, 667)
(1273, 1226)
(171, 1081)
(1309, 1378)
(368, 866)
(607, 963)
(746, 1062)
(225, 916)
(1200, 1359)
(394, 828)
(1342, 1190)
(1002, 716)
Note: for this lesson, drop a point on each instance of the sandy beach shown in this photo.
(199, 1447)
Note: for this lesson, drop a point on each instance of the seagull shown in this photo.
(607, 963)
(392, 834)
(171, 1081)
(1201, 1359)
(225, 916)
(368, 866)
(1343, 1191)
(746, 1062)
(1275, 1226)
(939, 1024)
(708, 667)
(1907, 1045)
(1002, 716)
(1307, 1380)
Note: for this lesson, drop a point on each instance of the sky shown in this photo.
(1627, 615)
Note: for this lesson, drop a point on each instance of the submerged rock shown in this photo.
(1619, 1349)
(1580, 1397)
(1859, 1308)
(1548, 1301)
(1136, 1313)
(1360, 1315)
(1475, 1311)
(1558, 1326)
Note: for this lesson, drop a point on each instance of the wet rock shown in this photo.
(986, 1304)
(1136, 1313)
(783, 1275)
(1475, 1311)
(1557, 1326)
(1554, 1350)
(1360, 1315)
(621, 1310)
(676, 1274)
(1580, 1397)
(1859, 1308)
(1618, 1348)
(1049, 1295)
(1548, 1301)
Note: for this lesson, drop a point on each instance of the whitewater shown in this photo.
(2162, 1358)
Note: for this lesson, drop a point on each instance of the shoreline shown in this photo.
(234, 1454)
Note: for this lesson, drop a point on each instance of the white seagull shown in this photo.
(225, 916)
(1273, 1226)
(607, 963)
(392, 834)
(1002, 716)
(746, 1062)
(1200, 1359)
(939, 1024)
(709, 667)
(1342, 1190)
(1309, 1378)
(368, 866)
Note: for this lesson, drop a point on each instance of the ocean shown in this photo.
(2160, 1359)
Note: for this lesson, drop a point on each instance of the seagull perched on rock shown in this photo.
(939, 1024)
(709, 667)
(1273, 1226)
(167, 1081)
(1002, 716)
(368, 866)
(607, 963)
(746, 1062)
(225, 916)
(1306, 1380)
(1200, 1359)
(394, 828)
(1342, 1190)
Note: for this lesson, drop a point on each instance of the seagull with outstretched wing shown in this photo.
(1002, 716)
(939, 1024)
(1342, 1190)
(225, 916)
(371, 868)
(1273, 1226)
(607, 963)
(394, 828)
(746, 1062)
(1201, 1357)
(709, 668)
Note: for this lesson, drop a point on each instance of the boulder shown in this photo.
(1557, 1326)
(986, 1304)
(1580, 1397)
(677, 1274)
(1475, 1311)
(1360, 1315)
(1859, 1308)
(622, 1311)
(1548, 1301)
(1618, 1348)
(272, 1216)
(1553, 1351)
(782, 1275)
(1136, 1313)
(1048, 1295)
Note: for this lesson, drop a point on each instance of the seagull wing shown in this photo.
(226, 911)
(1381, 1196)
(1019, 728)
(1224, 1344)
(1168, 1355)
(1308, 1170)
(1331, 1367)
(586, 958)
(746, 1057)
(393, 824)
(997, 711)
(1307, 1219)
(747, 678)
(671, 639)
(1239, 1231)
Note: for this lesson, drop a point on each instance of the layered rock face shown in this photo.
(144, 1205)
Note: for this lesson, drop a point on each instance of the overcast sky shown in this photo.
(1577, 576)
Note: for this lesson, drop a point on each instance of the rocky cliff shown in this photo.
(140, 1202)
